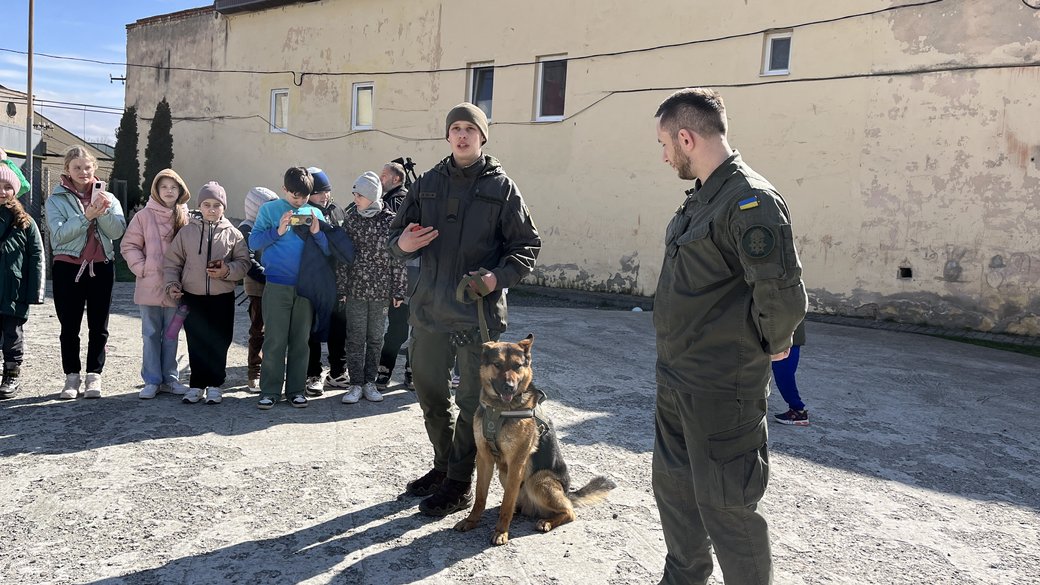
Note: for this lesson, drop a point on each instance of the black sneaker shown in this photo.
(408, 385)
(427, 484)
(383, 378)
(793, 417)
(453, 496)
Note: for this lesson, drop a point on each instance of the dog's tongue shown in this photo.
(507, 398)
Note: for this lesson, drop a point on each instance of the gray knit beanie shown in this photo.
(467, 112)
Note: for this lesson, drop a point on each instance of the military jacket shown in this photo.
(730, 292)
(486, 225)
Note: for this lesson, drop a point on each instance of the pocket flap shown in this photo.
(733, 443)
(697, 232)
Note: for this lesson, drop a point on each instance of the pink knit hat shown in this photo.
(9, 176)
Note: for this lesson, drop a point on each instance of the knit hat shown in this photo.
(8, 176)
(212, 190)
(256, 197)
(368, 186)
(321, 180)
(185, 193)
(467, 112)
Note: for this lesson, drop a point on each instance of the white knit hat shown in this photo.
(256, 197)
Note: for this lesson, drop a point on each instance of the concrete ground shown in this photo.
(920, 467)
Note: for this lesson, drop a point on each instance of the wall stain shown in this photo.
(571, 276)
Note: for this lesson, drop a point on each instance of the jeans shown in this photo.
(159, 359)
(783, 375)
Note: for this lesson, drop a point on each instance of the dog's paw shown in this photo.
(465, 525)
(543, 526)
(500, 538)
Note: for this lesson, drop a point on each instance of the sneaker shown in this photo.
(452, 496)
(408, 384)
(339, 382)
(214, 395)
(265, 403)
(175, 388)
(370, 392)
(427, 484)
(314, 387)
(192, 396)
(298, 401)
(352, 396)
(253, 385)
(383, 378)
(793, 417)
(71, 389)
(92, 388)
(454, 381)
(148, 392)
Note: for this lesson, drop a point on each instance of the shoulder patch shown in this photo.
(758, 241)
(749, 203)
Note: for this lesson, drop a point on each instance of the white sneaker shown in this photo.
(192, 396)
(71, 389)
(353, 395)
(370, 392)
(175, 388)
(148, 392)
(254, 385)
(214, 395)
(340, 381)
(93, 386)
(314, 386)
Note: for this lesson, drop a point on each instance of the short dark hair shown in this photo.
(697, 109)
(299, 181)
(396, 170)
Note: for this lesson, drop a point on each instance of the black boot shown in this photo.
(453, 496)
(427, 484)
(9, 384)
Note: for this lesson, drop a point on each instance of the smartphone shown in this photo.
(214, 263)
(98, 190)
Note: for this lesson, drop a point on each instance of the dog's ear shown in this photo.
(526, 342)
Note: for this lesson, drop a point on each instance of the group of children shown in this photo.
(312, 272)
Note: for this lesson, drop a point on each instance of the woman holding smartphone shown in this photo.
(84, 221)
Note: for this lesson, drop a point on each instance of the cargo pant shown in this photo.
(432, 355)
(287, 329)
(710, 469)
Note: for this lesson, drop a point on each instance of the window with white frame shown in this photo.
(364, 100)
(552, 88)
(279, 119)
(776, 53)
(482, 86)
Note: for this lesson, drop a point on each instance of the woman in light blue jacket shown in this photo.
(84, 224)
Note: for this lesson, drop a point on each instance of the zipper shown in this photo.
(209, 254)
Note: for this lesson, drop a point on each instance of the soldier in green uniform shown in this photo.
(729, 298)
(462, 215)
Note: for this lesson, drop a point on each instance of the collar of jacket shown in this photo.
(491, 166)
(709, 189)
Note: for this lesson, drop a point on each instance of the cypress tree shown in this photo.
(158, 154)
(126, 167)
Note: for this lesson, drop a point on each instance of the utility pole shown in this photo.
(30, 116)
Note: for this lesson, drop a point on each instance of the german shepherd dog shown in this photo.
(513, 434)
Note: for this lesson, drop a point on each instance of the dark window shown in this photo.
(483, 88)
(554, 88)
(780, 54)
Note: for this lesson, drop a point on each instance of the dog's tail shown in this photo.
(594, 491)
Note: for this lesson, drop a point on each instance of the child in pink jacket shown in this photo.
(144, 247)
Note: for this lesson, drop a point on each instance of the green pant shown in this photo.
(710, 469)
(287, 328)
(432, 355)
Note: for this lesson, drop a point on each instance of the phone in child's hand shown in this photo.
(97, 192)
(214, 264)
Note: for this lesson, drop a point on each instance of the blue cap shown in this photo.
(321, 180)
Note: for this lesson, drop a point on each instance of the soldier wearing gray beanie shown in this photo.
(467, 112)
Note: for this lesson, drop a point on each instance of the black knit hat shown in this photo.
(467, 112)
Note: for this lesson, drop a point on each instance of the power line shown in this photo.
(303, 74)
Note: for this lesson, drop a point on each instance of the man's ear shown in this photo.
(686, 139)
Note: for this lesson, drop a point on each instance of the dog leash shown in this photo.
(466, 295)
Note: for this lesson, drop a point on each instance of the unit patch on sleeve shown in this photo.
(749, 203)
(758, 241)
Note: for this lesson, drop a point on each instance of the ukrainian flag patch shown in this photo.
(749, 203)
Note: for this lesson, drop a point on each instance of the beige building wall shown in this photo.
(915, 193)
